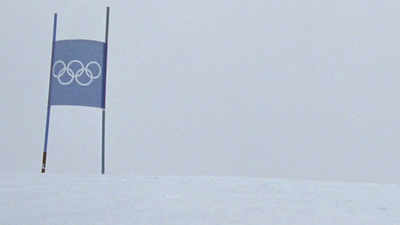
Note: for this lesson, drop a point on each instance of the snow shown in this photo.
(104, 199)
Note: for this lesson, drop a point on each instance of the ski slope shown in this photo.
(96, 199)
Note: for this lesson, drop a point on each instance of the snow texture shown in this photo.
(97, 199)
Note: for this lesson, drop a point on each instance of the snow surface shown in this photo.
(97, 199)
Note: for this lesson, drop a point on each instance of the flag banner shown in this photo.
(78, 73)
(78, 77)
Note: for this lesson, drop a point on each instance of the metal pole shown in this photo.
(48, 100)
(103, 144)
(104, 95)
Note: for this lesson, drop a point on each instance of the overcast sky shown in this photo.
(275, 89)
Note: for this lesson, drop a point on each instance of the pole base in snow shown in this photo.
(44, 163)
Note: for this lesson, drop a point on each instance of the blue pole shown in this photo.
(103, 151)
(48, 100)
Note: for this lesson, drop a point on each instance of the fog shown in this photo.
(276, 89)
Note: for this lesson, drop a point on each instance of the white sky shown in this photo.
(277, 89)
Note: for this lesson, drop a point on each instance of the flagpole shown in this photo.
(48, 100)
(104, 94)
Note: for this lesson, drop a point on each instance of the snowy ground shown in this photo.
(96, 199)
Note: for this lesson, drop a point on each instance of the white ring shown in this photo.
(75, 74)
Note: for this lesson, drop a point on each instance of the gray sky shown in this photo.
(275, 89)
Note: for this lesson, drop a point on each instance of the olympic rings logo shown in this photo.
(74, 70)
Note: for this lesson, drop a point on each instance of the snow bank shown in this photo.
(97, 199)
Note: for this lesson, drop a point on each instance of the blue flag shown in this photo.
(78, 73)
